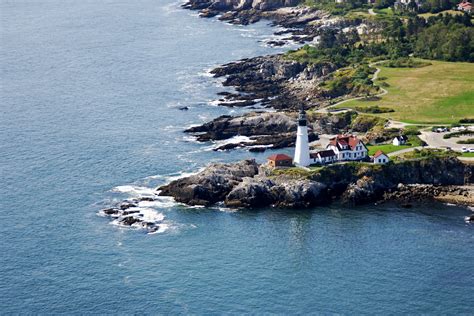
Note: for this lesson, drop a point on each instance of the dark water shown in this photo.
(88, 116)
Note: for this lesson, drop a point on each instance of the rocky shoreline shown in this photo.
(263, 129)
(274, 82)
(247, 184)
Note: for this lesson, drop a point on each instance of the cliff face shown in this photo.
(243, 185)
(210, 185)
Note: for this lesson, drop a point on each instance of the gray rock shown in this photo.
(210, 185)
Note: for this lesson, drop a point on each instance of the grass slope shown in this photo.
(387, 149)
(440, 93)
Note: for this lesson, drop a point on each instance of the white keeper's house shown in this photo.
(348, 147)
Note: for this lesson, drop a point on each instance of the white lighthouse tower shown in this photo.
(302, 147)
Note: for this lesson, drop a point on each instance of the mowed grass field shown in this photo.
(440, 93)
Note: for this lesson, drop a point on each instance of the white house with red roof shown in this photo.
(323, 157)
(380, 157)
(348, 147)
(465, 6)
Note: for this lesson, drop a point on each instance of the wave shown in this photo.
(136, 191)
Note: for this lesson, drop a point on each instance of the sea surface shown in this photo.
(89, 100)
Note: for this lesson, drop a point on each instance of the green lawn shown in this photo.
(467, 155)
(441, 93)
(387, 11)
(452, 12)
(387, 149)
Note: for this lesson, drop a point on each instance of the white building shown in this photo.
(323, 157)
(399, 140)
(348, 148)
(301, 157)
(380, 157)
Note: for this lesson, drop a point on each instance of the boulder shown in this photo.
(210, 185)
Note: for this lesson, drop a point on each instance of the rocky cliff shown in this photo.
(246, 184)
(274, 81)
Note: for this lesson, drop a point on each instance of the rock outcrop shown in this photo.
(264, 129)
(245, 185)
(290, 193)
(211, 185)
(274, 81)
(416, 193)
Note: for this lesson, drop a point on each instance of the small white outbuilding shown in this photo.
(399, 140)
(380, 157)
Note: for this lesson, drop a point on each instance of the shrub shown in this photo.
(375, 109)
(469, 141)
(406, 63)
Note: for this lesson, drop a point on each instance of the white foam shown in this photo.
(161, 229)
(235, 140)
(162, 202)
(134, 190)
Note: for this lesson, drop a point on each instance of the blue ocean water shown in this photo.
(88, 116)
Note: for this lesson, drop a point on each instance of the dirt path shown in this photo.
(374, 77)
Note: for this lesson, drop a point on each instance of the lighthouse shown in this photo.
(302, 147)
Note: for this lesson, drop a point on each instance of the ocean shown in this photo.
(89, 116)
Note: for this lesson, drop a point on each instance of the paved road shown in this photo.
(403, 151)
(436, 140)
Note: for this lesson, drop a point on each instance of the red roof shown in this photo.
(379, 153)
(465, 4)
(279, 157)
(350, 140)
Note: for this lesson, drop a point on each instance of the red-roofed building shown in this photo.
(348, 147)
(380, 157)
(465, 6)
(280, 160)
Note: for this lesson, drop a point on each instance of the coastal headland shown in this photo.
(339, 64)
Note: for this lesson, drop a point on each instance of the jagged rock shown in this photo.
(300, 193)
(125, 205)
(110, 211)
(260, 192)
(251, 193)
(280, 83)
(363, 191)
(210, 185)
(146, 198)
(243, 185)
(129, 220)
(262, 128)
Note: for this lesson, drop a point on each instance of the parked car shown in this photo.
(464, 150)
(471, 150)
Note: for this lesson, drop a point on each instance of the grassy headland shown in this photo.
(439, 93)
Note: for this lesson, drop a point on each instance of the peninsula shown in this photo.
(377, 109)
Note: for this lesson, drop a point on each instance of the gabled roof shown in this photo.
(379, 153)
(340, 140)
(279, 157)
(402, 138)
(326, 153)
